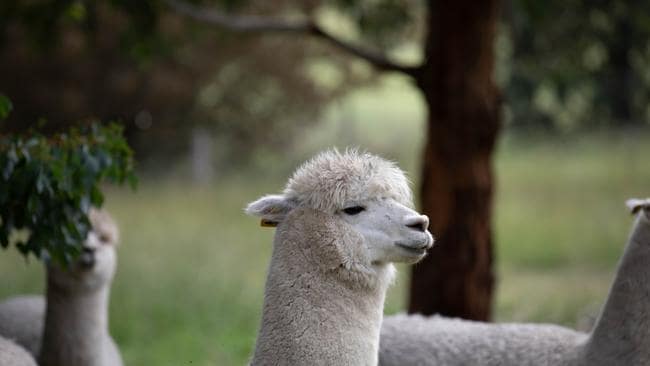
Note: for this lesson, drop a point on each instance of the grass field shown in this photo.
(190, 279)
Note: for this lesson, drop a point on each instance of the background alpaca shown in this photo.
(12, 354)
(621, 335)
(70, 326)
(342, 220)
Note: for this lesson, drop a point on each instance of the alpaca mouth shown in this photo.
(418, 248)
(86, 259)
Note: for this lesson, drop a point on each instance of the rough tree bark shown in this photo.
(463, 122)
(463, 103)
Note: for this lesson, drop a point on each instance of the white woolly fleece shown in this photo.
(436, 340)
(331, 180)
(21, 319)
(12, 354)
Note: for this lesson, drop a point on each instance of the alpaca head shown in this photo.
(636, 205)
(95, 266)
(363, 192)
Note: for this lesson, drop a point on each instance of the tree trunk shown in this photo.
(463, 122)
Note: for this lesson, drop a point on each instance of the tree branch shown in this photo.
(256, 24)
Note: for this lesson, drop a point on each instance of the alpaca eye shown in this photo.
(353, 210)
(104, 238)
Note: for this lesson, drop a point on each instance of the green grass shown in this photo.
(560, 222)
(542, 185)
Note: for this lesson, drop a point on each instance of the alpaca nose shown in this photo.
(87, 258)
(418, 222)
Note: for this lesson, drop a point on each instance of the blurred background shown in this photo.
(219, 115)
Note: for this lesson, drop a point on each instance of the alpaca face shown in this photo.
(95, 266)
(392, 232)
(368, 193)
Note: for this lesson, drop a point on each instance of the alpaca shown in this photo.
(342, 220)
(12, 354)
(69, 327)
(621, 335)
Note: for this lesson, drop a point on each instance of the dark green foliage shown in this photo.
(47, 186)
(5, 107)
(385, 23)
(579, 64)
(45, 20)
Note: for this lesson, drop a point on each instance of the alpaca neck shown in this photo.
(622, 332)
(310, 316)
(76, 327)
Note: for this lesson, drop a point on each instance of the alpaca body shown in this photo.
(11, 354)
(436, 340)
(21, 319)
(85, 339)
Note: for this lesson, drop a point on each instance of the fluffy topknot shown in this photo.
(331, 180)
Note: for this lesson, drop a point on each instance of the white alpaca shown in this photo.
(621, 335)
(12, 354)
(342, 220)
(70, 326)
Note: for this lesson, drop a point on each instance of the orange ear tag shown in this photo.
(268, 223)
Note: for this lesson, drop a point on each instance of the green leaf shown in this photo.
(77, 11)
(47, 187)
(96, 197)
(5, 107)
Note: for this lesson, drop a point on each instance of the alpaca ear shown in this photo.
(273, 209)
(636, 205)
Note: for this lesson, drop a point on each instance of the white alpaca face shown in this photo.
(392, 232)
(366, 192)
(95, 266)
